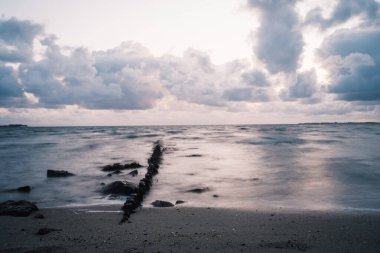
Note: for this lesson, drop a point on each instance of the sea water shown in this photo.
(304, 166)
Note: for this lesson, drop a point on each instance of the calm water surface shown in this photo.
(312, 166)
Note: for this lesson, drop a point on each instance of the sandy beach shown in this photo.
(186, 229)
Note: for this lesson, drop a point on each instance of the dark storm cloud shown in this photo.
(354, 57)
(345, 10)
(279, 42)
(16, 40)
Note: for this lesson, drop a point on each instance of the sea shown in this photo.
(333, 166)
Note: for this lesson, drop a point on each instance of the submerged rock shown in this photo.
(178, 202)
(118, 166)
(133, 173)
(25, 188)
(132, 165)
(21, 208)
(121, 188)
(58, 173)
(161, 203)
(199, 190)
(113, 167)
(194, 155)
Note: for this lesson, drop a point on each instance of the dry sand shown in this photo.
(184, 229)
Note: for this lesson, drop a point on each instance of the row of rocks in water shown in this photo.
(135, 199)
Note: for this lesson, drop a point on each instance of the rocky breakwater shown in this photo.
(135, 199)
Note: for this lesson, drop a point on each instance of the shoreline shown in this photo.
(189, 229)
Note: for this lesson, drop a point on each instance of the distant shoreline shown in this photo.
(181, 125)
(14, 125)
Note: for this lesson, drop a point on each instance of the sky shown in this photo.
(124, 62)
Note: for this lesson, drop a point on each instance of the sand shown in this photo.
(185, 229)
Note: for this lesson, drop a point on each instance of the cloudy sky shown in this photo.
(124, 62)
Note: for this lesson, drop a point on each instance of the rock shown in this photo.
(161, 203)
(121, 188)
(215, 196)
(45, 231)
(118, 166)
(194, 155)
(132, 165)
(102, 183)
(25, 188)
(178, 202)
(199, 190)
(133, 173)
(21, 208)
(113, 167)
(58, 173)
(39, 216)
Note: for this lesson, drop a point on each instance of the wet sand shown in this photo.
(185, 229)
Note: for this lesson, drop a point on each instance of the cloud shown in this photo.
(193, 78)
(127, 77)
(11, 92)
(303, 87)
(246, 94)
(368, 10)
(279, 42)
(121, 78)
(16, 40)
(255, 78)
(353, 57)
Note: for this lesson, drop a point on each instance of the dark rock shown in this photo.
(199, 190)
(45, 231)
(118, 166)
(21, 208)
(113, 167)
(102, 183)
(255, 179)
(194, 155)
(25, 188)
(215, 196)
(132, 165)
(118, 187)
(58, 173)
(161, 203)
(133, 173)
(178, 202)
(39, 216)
